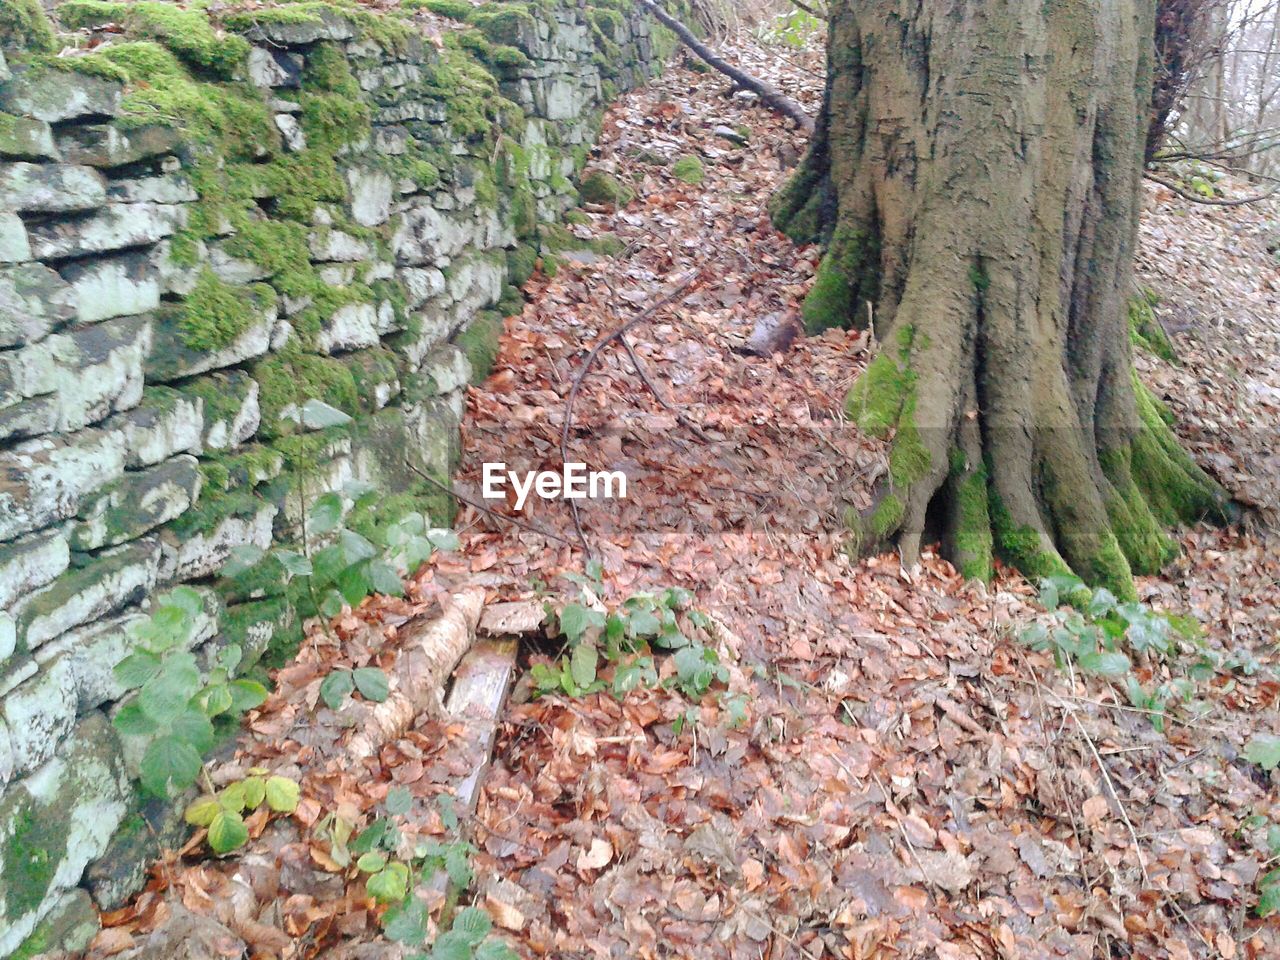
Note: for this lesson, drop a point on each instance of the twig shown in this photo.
(684, 285)
(1124, 814)
(1208, 201)
(524, 524)
(769, 96)
(816, 14)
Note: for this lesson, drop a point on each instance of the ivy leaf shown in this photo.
(246, 694)
(495, 950)
(244, 557)
(336, 687)
(255, 791)
(1105, 663)
(326, 514)
(389, 885)
(372, 683)
(451, 945)
(583, 664)
(132, 722)
(406, 923)
(169, 760)
(318, 415)
(295, 564)
(201, 811)
(136, 669)
(575, 620)
(194, 727)
(1264, 750)
(473, 923)
(282, 794)
(227, 832)
(399, 800)
(167, 694)
(385, 580)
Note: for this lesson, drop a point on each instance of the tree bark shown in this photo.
(975, 174)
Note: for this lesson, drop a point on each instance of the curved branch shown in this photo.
(1208, 201)
(769, 96)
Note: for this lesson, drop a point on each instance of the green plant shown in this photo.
(222, 811)
(794, 29)
(176, 706)
(615, 651)
(1096, 632)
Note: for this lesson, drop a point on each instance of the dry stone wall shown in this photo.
(213, 237)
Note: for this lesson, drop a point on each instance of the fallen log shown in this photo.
(427, 657)
(769, 95)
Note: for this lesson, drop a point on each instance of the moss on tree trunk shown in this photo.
(976, 176)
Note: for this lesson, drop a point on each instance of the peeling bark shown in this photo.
(975, 174)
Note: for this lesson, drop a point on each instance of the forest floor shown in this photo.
(890, 772)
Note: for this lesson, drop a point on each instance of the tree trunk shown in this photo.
(976, 175)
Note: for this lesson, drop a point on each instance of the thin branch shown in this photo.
(1208, 201)
(523, 524)
(769, 96)
(675, 294)
(816, 14)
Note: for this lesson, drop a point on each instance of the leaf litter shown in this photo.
(908, 780)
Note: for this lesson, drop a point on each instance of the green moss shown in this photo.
(389, 32)
(689, 169)
(509, 24)
(521, 262)
(1106, 566)
(1146, 331)
(599, 187)
(979, 278)
(879, 395)
(1136, 528)
(292, 377)
(372, 369)
(887, 515)
(577, 218)
(846, 277)
(973, 540)
(1021, 546)
(185, 31)
(796, 208)
(332, 121)
(1173, 485)
(244, 469)
(453, 9)
(215, 313)
(31, 857)
(24, 28)
(479, 340)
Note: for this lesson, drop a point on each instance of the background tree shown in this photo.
(975, 174)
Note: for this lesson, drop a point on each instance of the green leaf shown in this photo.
(295, 564)
(583, 664)
(318, 415)
(282, 794)
(354, 584)
(390, 884)
(227, 832)
(399, 800)
(169, 761)
(642, 623)
(451, 945)
(406, 923)
(372, 683)
(243, 558)
(335, 688)
(1105, 663)
(473, 923)
(332, 603)
(133, 722)
(194, 727)
(328, 564)
(167, 694)
(201, 811)
(1264, 750)
(576, 620)
(443, 539)
(448, 811)
(217, 699)
(371, 862)
(246, 694)
(136, 669)
(255, 791)
(1269, 900)
(232, 797)
(457, 863)
(495, 950)
(385, 580)
(326, 514)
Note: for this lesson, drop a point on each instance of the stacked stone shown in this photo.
(133, 459)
